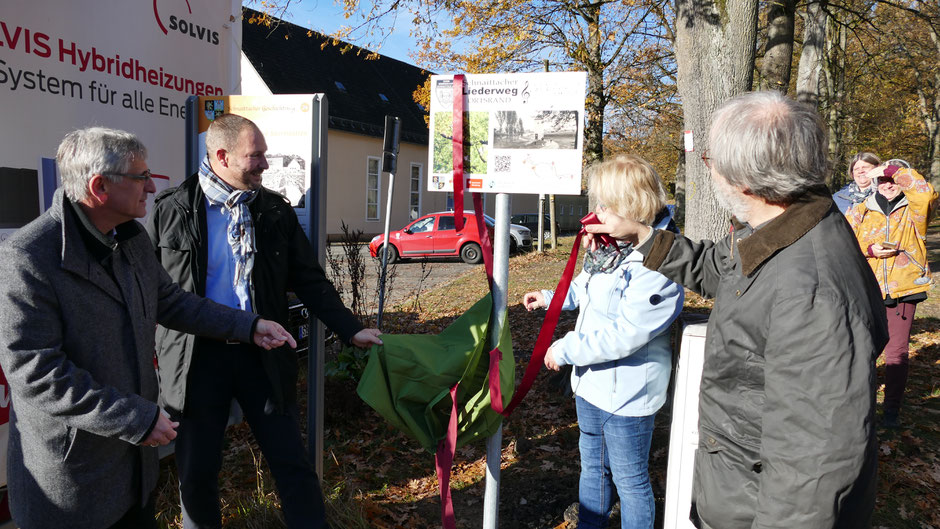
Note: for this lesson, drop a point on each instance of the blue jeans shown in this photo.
(614, 452)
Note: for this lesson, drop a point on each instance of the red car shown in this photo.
(434, 235)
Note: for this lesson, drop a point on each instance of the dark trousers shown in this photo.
(900, 319)
(219, 373)
(138, 517)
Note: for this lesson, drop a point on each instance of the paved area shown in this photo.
(405, 278)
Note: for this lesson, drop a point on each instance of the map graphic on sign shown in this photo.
(523, 133)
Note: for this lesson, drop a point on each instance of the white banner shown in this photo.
(127, 64)
(523, 133)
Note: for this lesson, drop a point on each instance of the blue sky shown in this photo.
(326, 16)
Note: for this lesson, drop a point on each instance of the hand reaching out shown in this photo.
(366, 337)
(270, 335)
(533, 300)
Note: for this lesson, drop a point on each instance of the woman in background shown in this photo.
(860, 187)
(891, 227)
(619, 349)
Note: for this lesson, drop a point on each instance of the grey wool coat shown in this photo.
(77, 347)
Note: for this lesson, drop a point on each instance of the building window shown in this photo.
(372, 188)
(414, 203)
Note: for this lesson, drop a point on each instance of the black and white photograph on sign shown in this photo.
(522, 132)
(539, 129)
(285, 175)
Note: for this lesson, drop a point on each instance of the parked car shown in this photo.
(529, 221)
(433, 235)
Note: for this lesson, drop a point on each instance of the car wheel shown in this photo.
(470, 253)
(392, 254)
(547, 236)
(513, 245)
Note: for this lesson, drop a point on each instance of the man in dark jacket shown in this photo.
(223, 235)
(786, 436)
(80, 296)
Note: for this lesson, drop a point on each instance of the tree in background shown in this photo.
(714, 48)
(657, 67)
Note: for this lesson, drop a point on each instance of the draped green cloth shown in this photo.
(407, 379)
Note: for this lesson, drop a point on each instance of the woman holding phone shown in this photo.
(619, 348)
(891, 227)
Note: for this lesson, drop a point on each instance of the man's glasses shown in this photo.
(146, 175)
(706, 159)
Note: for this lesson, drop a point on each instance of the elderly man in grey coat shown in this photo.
(79, 301)
(786, 410)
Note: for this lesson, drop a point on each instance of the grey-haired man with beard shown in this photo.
(786, 410)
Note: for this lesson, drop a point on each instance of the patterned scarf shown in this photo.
(241, 228)
(856, 195)
(606, 259)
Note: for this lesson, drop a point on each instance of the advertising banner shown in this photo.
(523, 132)
(126, 64)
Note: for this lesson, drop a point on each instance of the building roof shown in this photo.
(360, 92)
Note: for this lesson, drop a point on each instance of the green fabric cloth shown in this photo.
(407, 379)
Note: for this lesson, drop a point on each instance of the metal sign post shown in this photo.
(316, 231)
(494, 443)
(389, 163)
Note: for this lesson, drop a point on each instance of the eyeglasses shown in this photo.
(706, 159)
(146, 175)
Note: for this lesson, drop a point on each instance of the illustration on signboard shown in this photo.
(523, 132)
(542, 129)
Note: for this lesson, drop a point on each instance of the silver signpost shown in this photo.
(389, 164)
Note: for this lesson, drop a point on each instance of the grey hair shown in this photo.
(867, 157)
(897, 162)
(224, 131)
(86, 152)
(771, 146)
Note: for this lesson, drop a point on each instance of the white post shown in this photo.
(388, 216)
(540, 230)
(494, 443)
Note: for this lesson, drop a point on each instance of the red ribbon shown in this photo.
(457, 144)
(444, 460)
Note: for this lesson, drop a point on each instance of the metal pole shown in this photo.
(316, 217)
(541, 221)
(494, 443)
(388, 216)
(551, 216)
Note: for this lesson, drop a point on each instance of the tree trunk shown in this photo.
(715, 43)
(835, 101)
(778, 53)
(814, 41)
(596, 100)
(679, 193)
(930, 110)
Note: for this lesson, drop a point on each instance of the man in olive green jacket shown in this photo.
(786, 410)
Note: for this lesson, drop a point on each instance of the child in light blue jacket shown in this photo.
(619, 349)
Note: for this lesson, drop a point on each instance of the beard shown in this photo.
(730, 198)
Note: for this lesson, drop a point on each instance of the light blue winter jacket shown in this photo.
(620, 345)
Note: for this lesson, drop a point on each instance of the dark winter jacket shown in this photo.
(284, 262)
(786, 434)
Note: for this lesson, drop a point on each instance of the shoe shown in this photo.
(890, 420)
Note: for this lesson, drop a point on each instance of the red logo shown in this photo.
(156, 15)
